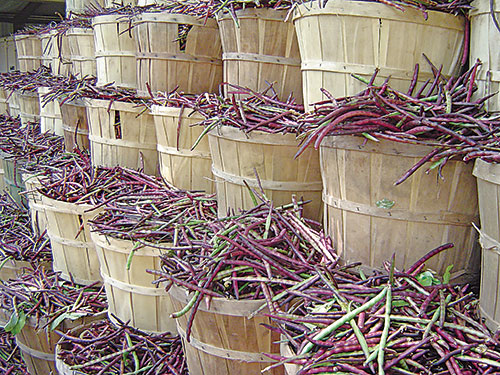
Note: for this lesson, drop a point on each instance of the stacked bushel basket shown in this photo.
(188, 127)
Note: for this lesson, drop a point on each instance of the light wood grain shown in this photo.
(75, 125)
(136, 146)
(179, 166)
(427, 211)
(236, 156)
(364, 36)
(131, 295)
(29, 107)
(115, 51)
(29, 52)
(262, 50)
(50, 114)
(82, 51)
(223, 340)
(162, 63)
(73, 251)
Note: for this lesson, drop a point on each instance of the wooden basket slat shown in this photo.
(29, 107)
(73, 255)
(37, 212)
(262, 36)
(114, 51)
(130, 292)
(78, 6)
(183, 168)
(484, 42)
(29, 52)
(82, 51)
(235, 155)
(13, 102)
(75, 122)
(138, 135)
(427, 211)
(365, 36)
(50, 114)
(223, 334)
(163, 65)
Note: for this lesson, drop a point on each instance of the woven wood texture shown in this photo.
(183, 168)
(122, 134)
(236, 156)
(262, 50)
(29, 52)
(223, 340)
(29, 107)
(37, 212)
(484, 45)
(72, 248)
(13, 102)
(75, 125)
(78, 6)
(114, 51)
(193, 65)
(363, 36)
(50, 114)
(131, 294)
(427, 211)
(82, 51)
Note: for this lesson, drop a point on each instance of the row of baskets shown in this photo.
(262, 49)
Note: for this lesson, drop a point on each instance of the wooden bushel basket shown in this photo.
(29, 107)
(73, 251)
(13, 102)
(114, 51)
(47, 48)
(179, 166)
(488, 186)
(223, 340)
(484, 42)
(29, 52)
(50, 114)
(37, 211)
(236, 156)
(38, 346)
(82, 51)
(131, 294)
(78, 6)
(75, 125)
(369, 218)
(262, 50)
(363, 36)
(193, 65)
(122, 134)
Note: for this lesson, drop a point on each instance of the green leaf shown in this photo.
(20, 323)
(385, 203)
(425, 278)
(14, 318)
(447, 274)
